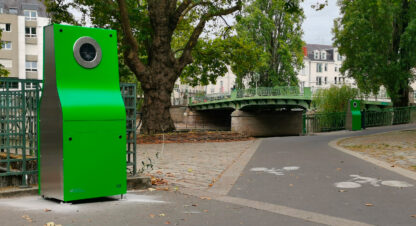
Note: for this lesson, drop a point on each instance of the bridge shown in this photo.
(259, 111)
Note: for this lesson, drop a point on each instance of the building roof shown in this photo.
(310, 48)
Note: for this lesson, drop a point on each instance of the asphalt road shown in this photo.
(287, 181)
(304, 173)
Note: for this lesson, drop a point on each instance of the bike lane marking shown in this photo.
(357, 181)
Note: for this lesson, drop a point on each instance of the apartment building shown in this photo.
(321, 67)
(22, 22)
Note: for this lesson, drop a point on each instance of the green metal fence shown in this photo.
(19, 101)
(323, 122)
(390, 116)
(128, 91)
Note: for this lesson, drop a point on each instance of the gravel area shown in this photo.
(190, 165)
(398, 148)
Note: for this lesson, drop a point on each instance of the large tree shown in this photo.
(378, 38)
(147, 30)
(269, 42)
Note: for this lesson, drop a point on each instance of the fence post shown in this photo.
(304, 123)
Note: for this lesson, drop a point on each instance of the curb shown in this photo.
(404, 172)
(17, 192)
(138, 182)
(133, 183)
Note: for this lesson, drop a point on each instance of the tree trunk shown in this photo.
(399, 97)
(155, 109)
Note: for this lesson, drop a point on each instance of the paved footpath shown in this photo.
(284, 181)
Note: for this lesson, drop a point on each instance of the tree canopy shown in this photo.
(269, 42)
(378, 39)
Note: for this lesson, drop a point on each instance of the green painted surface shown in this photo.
(94, 117)
(86, 93)
(355, 106)
(94, 160)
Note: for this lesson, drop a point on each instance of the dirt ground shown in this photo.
(397, 148)
(192, 137)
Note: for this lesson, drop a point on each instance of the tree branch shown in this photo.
(186, 56)
(131, 52)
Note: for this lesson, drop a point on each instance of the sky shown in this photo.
(318, 25)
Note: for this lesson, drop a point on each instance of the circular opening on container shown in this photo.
(355, 104)
(87, 52)
(119, 137)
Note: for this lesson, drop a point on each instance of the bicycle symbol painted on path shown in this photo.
(357, 181)
(274, 171)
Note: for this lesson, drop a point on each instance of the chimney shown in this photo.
(305, 51)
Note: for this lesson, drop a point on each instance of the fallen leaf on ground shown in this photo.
(151, 215)
(194, 204)
(291, 185)
(189, 170)
(47, 210)
(210, 185)
(205, 198)
(338, 169)
(161, 215)
(369, 204)
(414, 216)
(206, 211)
(341, 191)
(167, 222)
(151, 189)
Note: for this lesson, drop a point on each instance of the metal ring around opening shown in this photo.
(355, 104)
(77, 52)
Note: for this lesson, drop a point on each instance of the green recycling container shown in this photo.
(82, 118)
(355, 106)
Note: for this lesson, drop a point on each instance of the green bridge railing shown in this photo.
(284, 91)
(19, 101)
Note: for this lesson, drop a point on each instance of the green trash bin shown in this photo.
(355, 107)
(82, 118)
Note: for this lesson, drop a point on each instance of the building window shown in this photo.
(335, 81)
(212, 90)
(6, 27)
(339, 57)
(31, 66)
(7, 45)
(326, 67)
(13, 10)
(316, 54)
(318, 81)
(1, 10)
(336, 69)
(30, 14)
(30, 32)
(323, 55)
(326, 80)
(318, 67)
